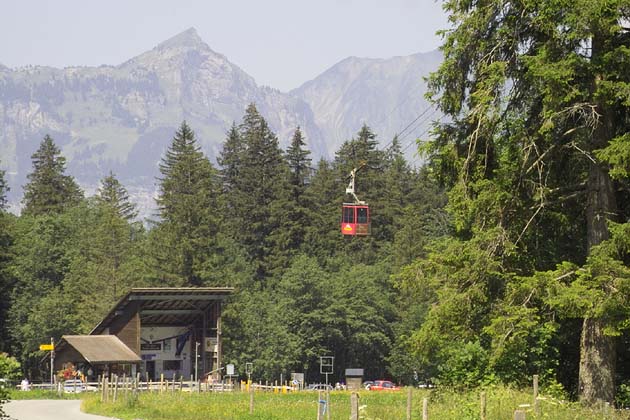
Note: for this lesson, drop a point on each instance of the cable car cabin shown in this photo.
(355, 219)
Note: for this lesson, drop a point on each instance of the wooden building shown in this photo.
(92, 355)
(167, 328)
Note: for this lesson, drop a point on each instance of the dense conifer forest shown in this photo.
(506, 255)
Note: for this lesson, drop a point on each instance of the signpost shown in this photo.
(50, 347)
(229, 369)
(326, 364)
(249, 368)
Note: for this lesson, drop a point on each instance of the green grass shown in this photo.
(41, 394)
(442, 405)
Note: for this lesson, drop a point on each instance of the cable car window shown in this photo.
(348, 215)
(362, 215)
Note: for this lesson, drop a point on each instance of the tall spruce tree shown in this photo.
(532, 91)
(291, 212)
(4, 189)
(230, 160)
(43, 249)
(325, 193)
(49, 190)
(109, 263)
(6, 278)
(299, 165)
(187, 201)
(114, 195)
(261, 181)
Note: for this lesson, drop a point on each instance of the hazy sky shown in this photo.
(281, 43)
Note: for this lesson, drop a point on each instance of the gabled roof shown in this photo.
(166, 305)
(99, 348)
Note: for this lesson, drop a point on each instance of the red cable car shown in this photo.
(355, 217)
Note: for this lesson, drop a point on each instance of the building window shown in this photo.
(172, 365)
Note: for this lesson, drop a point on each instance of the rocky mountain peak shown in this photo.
(187, 39)
(182, 50)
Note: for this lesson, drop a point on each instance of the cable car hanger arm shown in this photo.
(350, 187)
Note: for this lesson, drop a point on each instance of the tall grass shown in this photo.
(442, 405)
(42, 394)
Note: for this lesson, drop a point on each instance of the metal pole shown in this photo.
(52, 361)
(196, 359)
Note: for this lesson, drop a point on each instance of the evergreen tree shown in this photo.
(109, 264)
(299, 165)
(262, 180)
(325, 193)
(230, 160)
(7, 238)
(42, 251)
(4, 188)
(531, 91)
(49, 190)
(188, 209)
(6, 281)
(113, 194)
(290, 212)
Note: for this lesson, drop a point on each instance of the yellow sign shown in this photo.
(46, 347)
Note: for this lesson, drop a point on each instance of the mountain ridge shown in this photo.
(122, 118)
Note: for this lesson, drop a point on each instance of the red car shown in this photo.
(383, 386)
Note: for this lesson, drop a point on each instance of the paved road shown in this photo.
(48, 410)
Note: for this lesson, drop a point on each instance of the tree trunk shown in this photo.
(597, 363)
(597, 350)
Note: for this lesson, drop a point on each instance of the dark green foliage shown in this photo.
(43, 251)
(49, 190)
(532, 92)
(231, 160)
(299, 166)
(112, 194)
(109, 263)
(4, 188)
(7, 279)
(290, 212)
(188, 203)
(256, 176)
(325, 193)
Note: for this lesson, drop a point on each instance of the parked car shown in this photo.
(319, 387)
(72, 386)
(383, 386)
(367, 384)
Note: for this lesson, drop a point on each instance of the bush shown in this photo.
(622, 398)
(465, 366)
(9, 367)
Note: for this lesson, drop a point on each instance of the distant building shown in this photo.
(157, 331)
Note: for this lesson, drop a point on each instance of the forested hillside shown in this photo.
(507, 255)
(266, 221)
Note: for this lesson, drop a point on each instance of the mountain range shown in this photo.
(121, 118)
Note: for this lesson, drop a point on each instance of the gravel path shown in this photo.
(48, 410)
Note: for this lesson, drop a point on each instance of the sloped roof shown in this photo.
(100, 348)
(166, 305)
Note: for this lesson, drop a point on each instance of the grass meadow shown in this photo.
(442, 405)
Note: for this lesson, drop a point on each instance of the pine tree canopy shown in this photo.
(4, 188)
(537, 99)
(113, 194)
(49, 190)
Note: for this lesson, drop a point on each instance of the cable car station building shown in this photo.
(167, 328)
